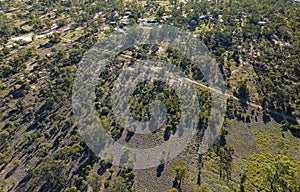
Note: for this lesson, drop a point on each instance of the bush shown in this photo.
(111, 170)
(61, 22)
(3, 138)
(47, 134)
(105, 111)
(130, 175)
(106, 183)
(203, 188)
(7, 70)
(87, 169)
(266, 114)
(17, 163)
(243, 89)
(168, 128)
(72, 189)
(295, 128)
(172, 190)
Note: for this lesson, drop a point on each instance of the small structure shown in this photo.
(125, 23)
(148, 22)
(202, 17)
(297, 2)
(262, 23)
(118, 29)
(152, 21)
(113, 23)
(128, 13)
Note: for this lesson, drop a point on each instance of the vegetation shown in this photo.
(271, 172)
(256, 44)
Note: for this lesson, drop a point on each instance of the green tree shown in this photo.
(181, 174)
(54, 38)
(269, 172)
(243, 89)
(95, 182)
(49, 173)
(119, 184)
(203, 188)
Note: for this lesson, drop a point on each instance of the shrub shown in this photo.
(47, 134)
(243, 89)
(295, 128)
(111, 170)
(72, 189)
(104, 111)
(203, 188)
(266, 114)
(131, 175)
(106, 183)
(172, 190)
(17, 163)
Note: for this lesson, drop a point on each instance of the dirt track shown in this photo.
(243, 101)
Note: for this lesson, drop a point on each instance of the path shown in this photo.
(243, 101)
(44, 34)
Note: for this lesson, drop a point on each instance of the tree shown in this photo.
(225, 159)
(95, 182)
(130, 175)
(203, 188)
(72, 189)
(119, 184)
(269, 172)
(181, 174)
(61, 22)
(49, 173)
(7, 70)
(54, 38)
(3, 138)
(243, 89)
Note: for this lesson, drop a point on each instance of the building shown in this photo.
(262, 23)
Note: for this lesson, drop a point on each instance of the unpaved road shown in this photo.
(243, 100)
(49, 32)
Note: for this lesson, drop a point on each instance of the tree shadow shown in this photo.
(22, 184)
(266, 119)
(167, 135)
(244, 102)
(160, 169)
(103, 169)
(248, 119)
(296, 133)
(19, 93)
(176, 184)
(10, 114)
(46, 45)
(10, 173)
(129, 135)
(88, 158)
(222, 140)
(277, 117)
